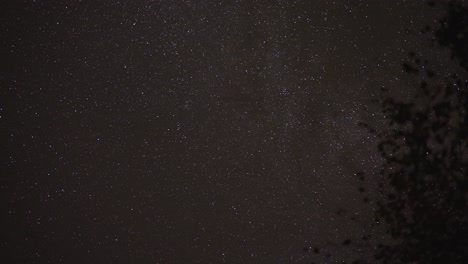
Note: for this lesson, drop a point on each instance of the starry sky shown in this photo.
(193, 131)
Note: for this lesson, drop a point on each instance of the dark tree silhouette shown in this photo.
(423, 190)
(425, 151)
(454, 33)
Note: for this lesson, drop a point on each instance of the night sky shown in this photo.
(194, 131)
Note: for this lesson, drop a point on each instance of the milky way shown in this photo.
(192, 131)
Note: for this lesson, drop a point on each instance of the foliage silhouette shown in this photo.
(423, 198)
(425, 152)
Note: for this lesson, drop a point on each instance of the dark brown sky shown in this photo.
(193, 131)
